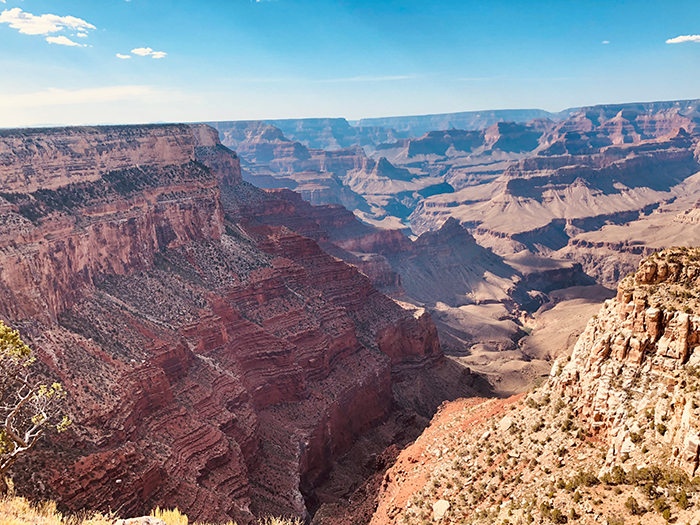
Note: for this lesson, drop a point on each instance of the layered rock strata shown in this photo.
(611, 436)
(638, 356)
(209, 366)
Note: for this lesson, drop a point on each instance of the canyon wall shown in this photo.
(612, 435)
(211, 364)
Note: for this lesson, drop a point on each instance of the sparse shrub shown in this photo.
(616, 520)
(618, 476)
(637, 437)
(661, 428)
(660, 504)
(633, 506)
(682, 499)
(582, 478)
(567, 424)
(557, 516)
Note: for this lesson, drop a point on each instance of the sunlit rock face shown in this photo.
(212, 364)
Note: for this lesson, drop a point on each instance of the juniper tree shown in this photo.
(27, 407)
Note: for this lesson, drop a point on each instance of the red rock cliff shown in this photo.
(210, 367)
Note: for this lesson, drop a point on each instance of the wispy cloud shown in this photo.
(479, 79)
(605, 42)
(63, 41)
(147, 51)
(119, 55)
(29, 24)
(683, 38)
(370, 78)
(62, 97)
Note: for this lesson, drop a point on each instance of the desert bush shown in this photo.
(618, 476)
(170, 516)
(633, 506)
(582, 478)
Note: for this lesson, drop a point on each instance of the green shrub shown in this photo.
(634, 507)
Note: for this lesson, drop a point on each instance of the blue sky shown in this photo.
(245, 59)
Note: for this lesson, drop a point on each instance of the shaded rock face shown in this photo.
(212, 364)
(638, 356)
(222, 162)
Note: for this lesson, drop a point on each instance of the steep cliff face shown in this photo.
(638, 356)
(212, 366)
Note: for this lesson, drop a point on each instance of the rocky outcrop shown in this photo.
(612, 434)
(222, 162)
(638, 356)
(214, 362)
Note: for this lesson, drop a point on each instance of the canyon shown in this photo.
(213, 361)
(570, 200)
(270, 330)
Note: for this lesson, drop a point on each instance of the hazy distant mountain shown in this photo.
(333, 133)
(418, 125)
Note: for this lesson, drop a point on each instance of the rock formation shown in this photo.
(213, 362)
(612, 435)
(638, 356)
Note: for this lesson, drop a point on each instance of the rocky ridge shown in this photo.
(612, 434)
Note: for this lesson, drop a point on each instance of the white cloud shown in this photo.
(82, 35)
(119, 55)
(606, 41)
(63, 41)
(30, 24)
(147, 51)
(683, 38)
(142, 51)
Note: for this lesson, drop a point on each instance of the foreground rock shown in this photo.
(611, 436)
